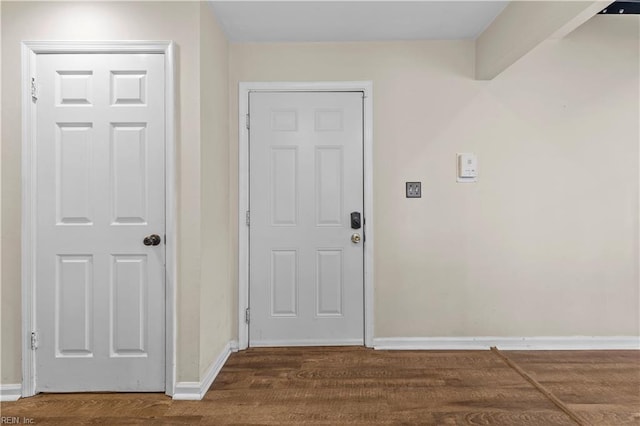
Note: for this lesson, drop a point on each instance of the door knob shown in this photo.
(355, 238)
(152, 240)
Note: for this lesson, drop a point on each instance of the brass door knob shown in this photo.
(355, 238)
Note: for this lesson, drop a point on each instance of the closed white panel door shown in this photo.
(100, 295)
(306, 273)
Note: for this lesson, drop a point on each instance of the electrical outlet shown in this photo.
(414, 189)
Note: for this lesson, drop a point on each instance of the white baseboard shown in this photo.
(306, 342)
(194, 391)
(508, 343)
(10, 392)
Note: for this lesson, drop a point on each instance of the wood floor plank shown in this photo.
(120, 420)
(335, 386)
(90, 405)
(603, 387)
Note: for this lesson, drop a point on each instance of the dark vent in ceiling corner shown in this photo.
(622, 8)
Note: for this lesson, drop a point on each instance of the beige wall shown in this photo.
(216, 293)
(546, 243)
(197, 138)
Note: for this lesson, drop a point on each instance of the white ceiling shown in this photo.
(309, 21)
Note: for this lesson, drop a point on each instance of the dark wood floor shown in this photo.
(335, 386)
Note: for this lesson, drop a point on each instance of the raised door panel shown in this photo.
(329, 282)
(329, 120)
(128, 305)
(129, 88)
(74, 306)
(73, 164)
(284, 120)
(74, 88)
(329, 185)
(129, 192)
(283, 190)
(284, 283)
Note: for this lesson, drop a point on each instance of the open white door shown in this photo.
(306, 256)
(100, 202)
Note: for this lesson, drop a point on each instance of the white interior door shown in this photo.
(100, 290)
(306, 178)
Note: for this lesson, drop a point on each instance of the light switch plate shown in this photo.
(414, 189)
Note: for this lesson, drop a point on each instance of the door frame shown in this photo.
(244, 88)
(30, 50)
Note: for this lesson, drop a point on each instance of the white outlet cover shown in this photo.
(413, 189)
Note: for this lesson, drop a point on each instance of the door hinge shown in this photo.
(34, 90)
(247, 316)
(247, 121)
(248, 218)
(34, 340)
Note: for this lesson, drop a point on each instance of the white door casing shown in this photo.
(306, 177)
(98, 138)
